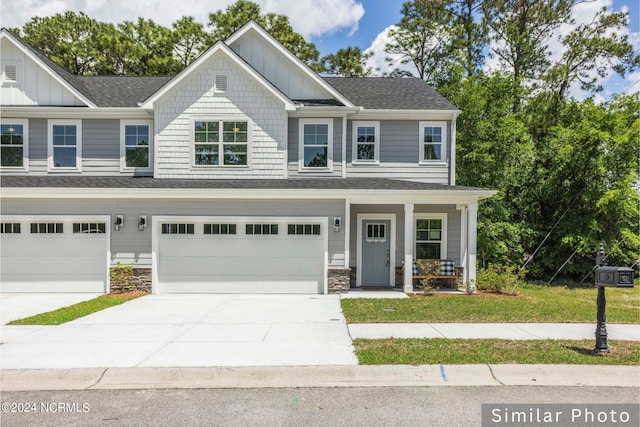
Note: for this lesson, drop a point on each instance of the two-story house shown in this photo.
(246, 172)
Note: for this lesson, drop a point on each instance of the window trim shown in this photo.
(221, 121)
(319, 121)
(123, 146)
(354, 143)
(443, 238)
(25, 144)
(62, 122)
(443, 144)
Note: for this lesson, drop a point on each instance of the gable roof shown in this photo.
(70, 81)
(221, 47)
(122, 91)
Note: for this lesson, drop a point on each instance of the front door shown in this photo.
(376, 252)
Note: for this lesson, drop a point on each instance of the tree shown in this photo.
(423, 38)
(74, 41)
(189, 40)
(144, 48)
(348, 62)
(225, 23)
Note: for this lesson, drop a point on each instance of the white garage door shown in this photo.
(229, 255)
(59, 254)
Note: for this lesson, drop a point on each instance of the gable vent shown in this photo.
(11, 72)
(221, 83)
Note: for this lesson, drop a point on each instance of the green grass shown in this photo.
(534, 304)
(492, 351)
(75, 311)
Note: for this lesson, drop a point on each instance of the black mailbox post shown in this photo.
(618, 277)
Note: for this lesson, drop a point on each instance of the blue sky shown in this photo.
(330, 24)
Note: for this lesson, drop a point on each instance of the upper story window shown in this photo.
(221, 143)
(14, 143)
(316, 144)
(65, 145)
(432, 141)
(135, 144)
(366, 142)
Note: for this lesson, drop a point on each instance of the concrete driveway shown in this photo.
(184, 330)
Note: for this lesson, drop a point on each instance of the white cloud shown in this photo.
(308, 17)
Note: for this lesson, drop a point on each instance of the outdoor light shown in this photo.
(142, 222)
(337, 224)
(119, 222)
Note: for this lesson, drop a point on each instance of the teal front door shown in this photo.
(376, 252)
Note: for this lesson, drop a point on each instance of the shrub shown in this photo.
(502, 279)
(122, 277)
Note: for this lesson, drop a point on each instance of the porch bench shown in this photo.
(438, 270)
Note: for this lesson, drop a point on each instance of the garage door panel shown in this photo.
(279, 263)
(56, 262)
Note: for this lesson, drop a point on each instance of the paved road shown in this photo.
(386, 406)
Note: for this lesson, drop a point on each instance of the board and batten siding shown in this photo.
(130, 246)
(399, 154)
(195, 99)
(294, 150)
(34, 85)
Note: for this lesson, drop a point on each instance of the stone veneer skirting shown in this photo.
(141, 281)
(338, 280)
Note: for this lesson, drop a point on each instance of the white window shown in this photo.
(261, 229)
(433, 138)
(65, 146)
(136, 145)
(303, 229)
(178, 228)
(14, 144)
(220, 142)
(366, 142)
(430, 236)
(316, 144)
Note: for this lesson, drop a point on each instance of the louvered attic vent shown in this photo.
(11, 72)
(221, 83)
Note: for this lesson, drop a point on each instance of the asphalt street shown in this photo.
(362, 406)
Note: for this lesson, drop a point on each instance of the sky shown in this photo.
(329, 24)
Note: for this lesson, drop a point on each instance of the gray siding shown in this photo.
(101, 147)
(130, 246)
(37, 146)
(294, 152)
(399, 154)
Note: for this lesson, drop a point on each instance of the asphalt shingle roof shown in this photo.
(121, 91)
(387, 93)
(19, 181)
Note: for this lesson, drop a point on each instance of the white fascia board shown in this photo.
(368, 114)
(455, 197)
(76, 112)
(5, 33)
(219, 47)
(252, 25)
(322, 111)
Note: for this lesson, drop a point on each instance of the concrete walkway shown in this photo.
(510, 331)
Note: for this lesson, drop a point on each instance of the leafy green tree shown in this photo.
(143, 48)
(189, 40)
(225, 23)
(348, 62)
(423, 38)
(75, 41)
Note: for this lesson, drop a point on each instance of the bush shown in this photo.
(122, 277)
(499, 278)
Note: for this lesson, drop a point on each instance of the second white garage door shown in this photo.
(240, 255)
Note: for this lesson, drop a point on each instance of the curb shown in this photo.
(319, 376)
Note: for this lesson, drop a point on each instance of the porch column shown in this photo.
(472, 236)
(408, 247)
(463, 242)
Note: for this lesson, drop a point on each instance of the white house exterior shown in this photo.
(246, 172)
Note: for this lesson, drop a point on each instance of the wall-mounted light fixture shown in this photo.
(337, 224)
(119, 222)
(142, 222)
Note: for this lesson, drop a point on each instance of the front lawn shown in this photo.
(533, 304)
(492, 351)
(81, 309)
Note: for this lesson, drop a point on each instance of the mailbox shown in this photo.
(619, 277)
